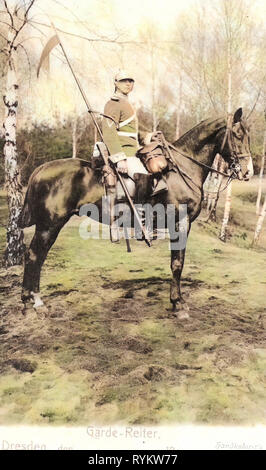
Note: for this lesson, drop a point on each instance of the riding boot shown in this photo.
(110, 182)
(143, 191)
(138, 230)
(143, 187)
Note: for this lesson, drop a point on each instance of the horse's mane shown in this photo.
(201, 131)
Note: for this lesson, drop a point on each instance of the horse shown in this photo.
(58, 189)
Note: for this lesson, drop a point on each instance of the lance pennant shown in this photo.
(53, 41)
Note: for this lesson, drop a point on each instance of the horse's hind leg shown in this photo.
(177, 263)
(35, 256)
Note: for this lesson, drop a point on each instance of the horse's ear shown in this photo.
(237, 115)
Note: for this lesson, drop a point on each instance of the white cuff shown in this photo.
(147, 139)
(117, 157)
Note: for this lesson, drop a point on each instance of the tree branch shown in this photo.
(3, 37)
(114, 41)
(37, 29)
(255, 104)
(28, 60)
(3, 51)
(27, 39)
(4, 22)
(82, 22)
(9, 13)
(28, 9)
(24, 22)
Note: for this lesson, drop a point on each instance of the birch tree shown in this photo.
(229, 38)
(234, 28)
(213, 188)
(16, 18)
(259, 222)
(261, 175)
(179, 107)
(150, 36)
(227, 208)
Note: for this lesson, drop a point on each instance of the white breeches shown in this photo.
(134, 165)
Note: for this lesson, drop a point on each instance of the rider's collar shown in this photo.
(119, 94)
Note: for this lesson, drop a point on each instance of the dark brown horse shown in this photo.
(58, 189)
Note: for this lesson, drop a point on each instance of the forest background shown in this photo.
(181, 54)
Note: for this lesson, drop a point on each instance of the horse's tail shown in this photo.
(25, 218)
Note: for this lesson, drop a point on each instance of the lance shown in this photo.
(54, 41)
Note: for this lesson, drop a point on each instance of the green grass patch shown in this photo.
(110, 350)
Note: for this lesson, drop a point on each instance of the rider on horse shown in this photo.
(121, 140)
(121, 136)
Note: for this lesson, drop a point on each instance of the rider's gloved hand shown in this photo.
(120, 160)
(122, 166)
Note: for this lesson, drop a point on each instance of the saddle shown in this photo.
(153, 157)
(141, 182)
(144, 178)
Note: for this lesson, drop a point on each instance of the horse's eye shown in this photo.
(236, 130)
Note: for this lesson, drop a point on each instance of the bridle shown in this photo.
(234, 167)
(234, 156)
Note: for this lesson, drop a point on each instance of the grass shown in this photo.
(110, 350)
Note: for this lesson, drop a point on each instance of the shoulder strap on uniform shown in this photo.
(127, 121)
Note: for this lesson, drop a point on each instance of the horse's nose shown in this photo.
(250, 169)
(248, 175)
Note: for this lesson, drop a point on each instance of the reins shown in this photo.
(184, 174)
(235, 166)
(203, 165)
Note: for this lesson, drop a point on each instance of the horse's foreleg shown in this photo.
(35, 256)
(177, 263)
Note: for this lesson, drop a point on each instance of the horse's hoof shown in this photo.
(37, 300)
(182, 315)
(26, 297)
(29, 312)
(42, 312)
(38, 304)
(25, 308)
(173, 307)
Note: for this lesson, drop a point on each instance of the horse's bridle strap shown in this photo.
(209, 168)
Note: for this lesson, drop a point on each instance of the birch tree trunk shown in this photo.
(213, 197)
(227, 208)
(15, 246)
(229, 79)
(212, 190)
(259, 223)
(261, 175)
(178, 111)
(154, 111)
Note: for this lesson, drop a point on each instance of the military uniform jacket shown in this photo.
(121, 136)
